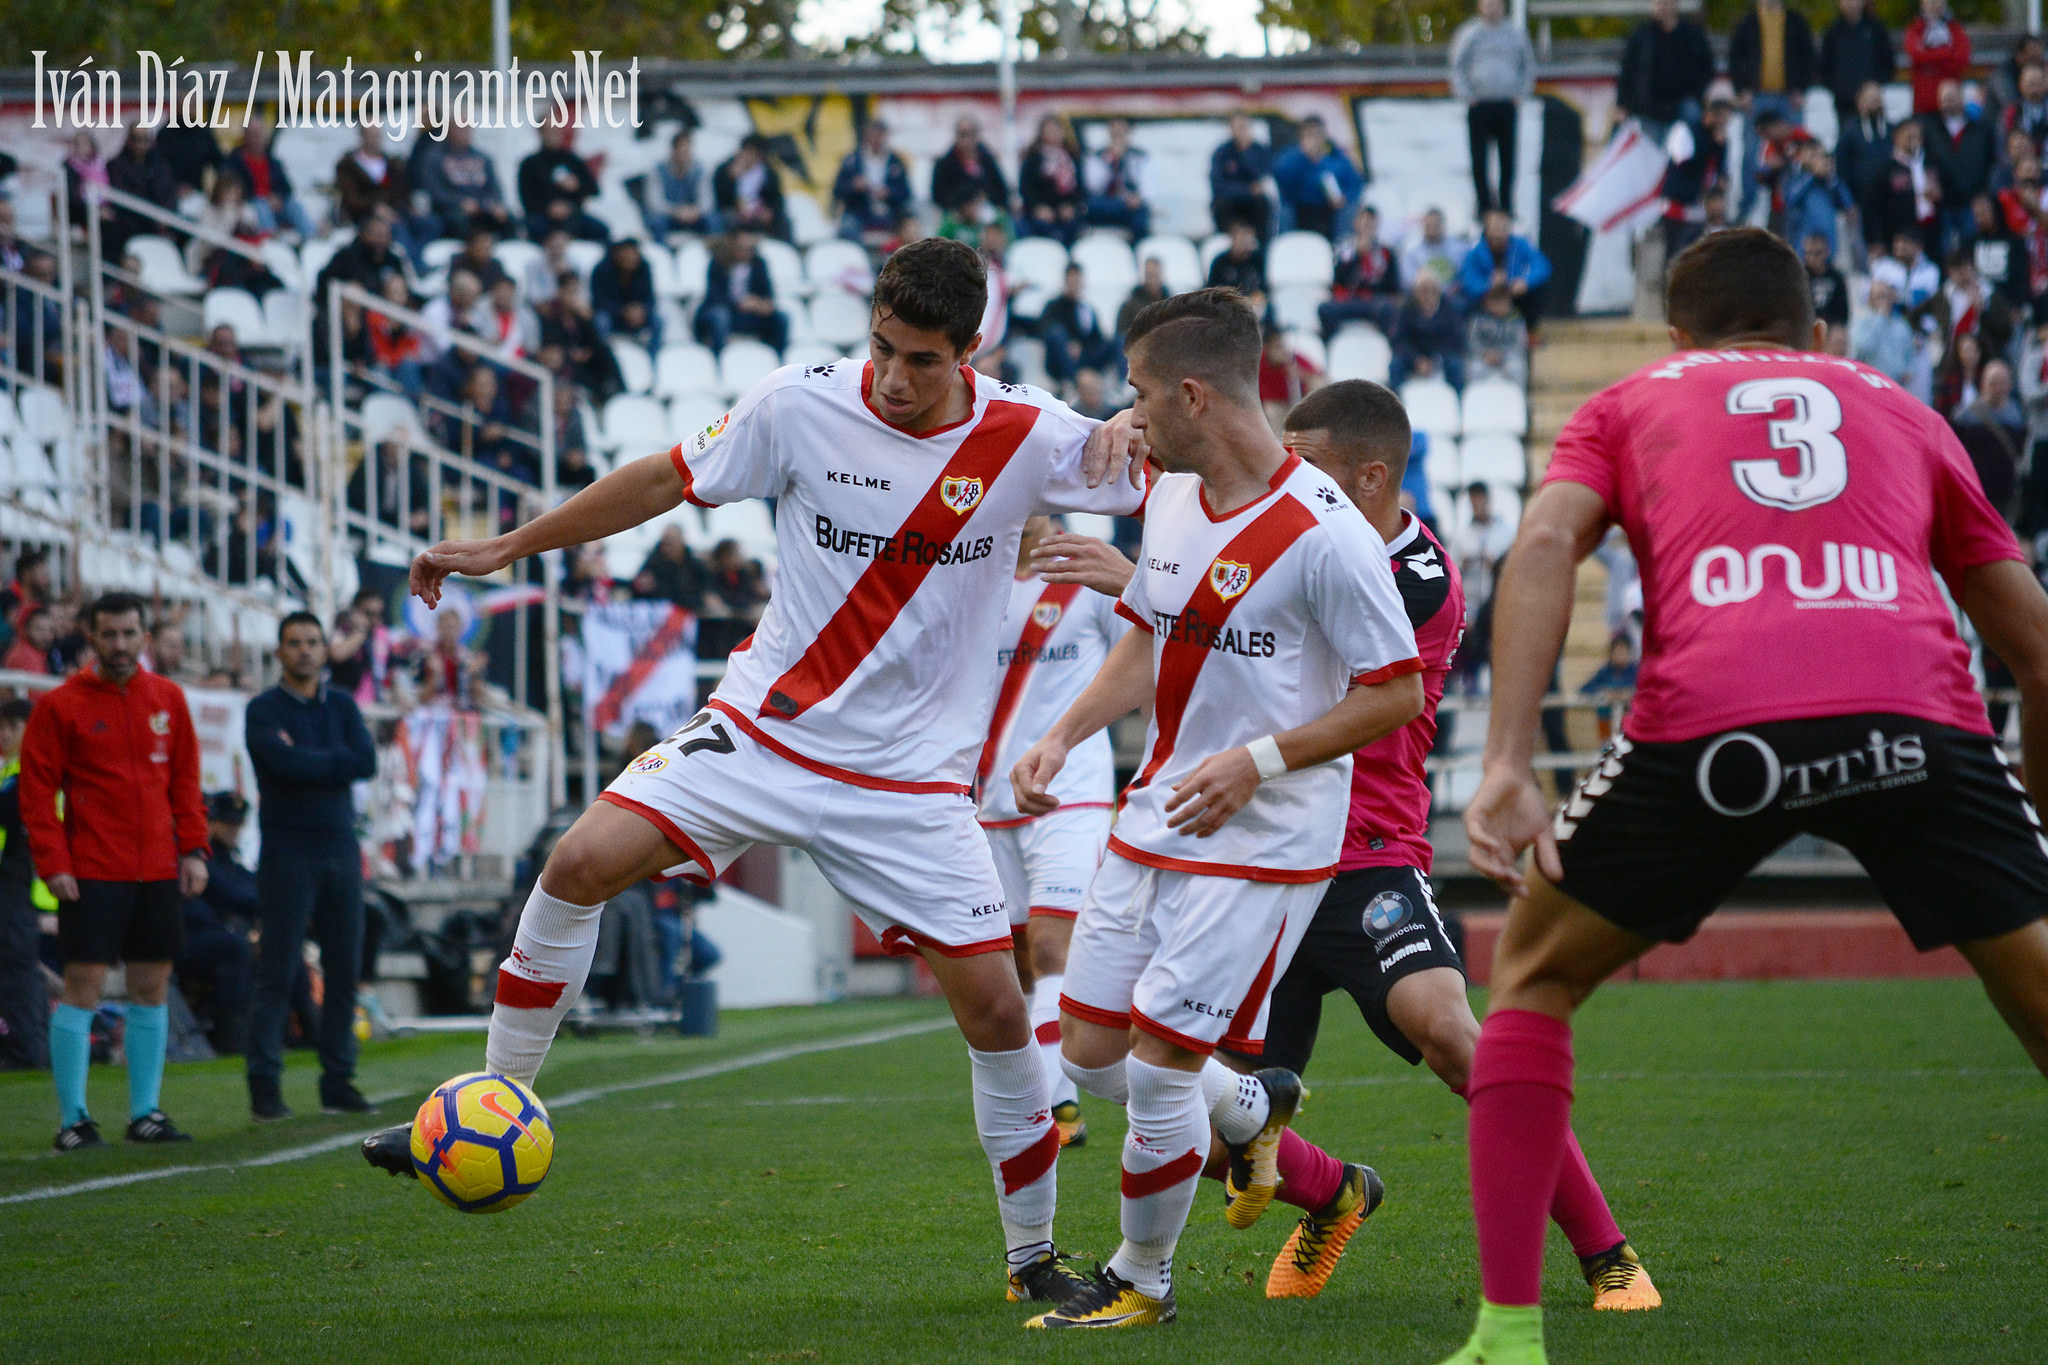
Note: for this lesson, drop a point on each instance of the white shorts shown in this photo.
(1047, 863)
(1186, 956)
(914, 864)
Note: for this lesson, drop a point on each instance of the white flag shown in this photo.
(640, 663)
(1622, 188)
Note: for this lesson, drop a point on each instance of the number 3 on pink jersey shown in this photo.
(1816, 415)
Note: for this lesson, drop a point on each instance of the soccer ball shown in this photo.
(482, 1142)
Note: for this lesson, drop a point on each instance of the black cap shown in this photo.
(227, 807)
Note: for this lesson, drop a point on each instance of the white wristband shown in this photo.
(1266, 757)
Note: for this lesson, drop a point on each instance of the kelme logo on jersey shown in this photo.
(1046, 615)
(1387, 914)
(1722, 574)
(1228, 578)
(960, 494)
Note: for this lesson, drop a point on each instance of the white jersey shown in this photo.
(871, 662)
(1262, 620)
(1054, 640)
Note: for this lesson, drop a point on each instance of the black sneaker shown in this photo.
(342, 1097)
(391, 1150)
(1048, 1279)
(155, 1126)
(266, 1105)
(79, 1136)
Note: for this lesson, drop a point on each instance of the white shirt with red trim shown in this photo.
(1262, 620)
(1054, 640)
(896, 550)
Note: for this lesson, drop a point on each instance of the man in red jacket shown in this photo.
(110, 798)
(1937, 50)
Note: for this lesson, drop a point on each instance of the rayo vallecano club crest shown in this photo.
(960, 494)
(1045, 615)
(1228, 578)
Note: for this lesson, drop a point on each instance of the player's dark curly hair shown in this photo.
(935, 285)
(1743, 284)
(1206, 334)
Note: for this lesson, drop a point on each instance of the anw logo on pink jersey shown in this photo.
(1722, 575)
(960, 494)
(1228, 578)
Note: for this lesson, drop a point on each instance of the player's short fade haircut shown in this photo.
(935, 285)
(301, 618)
(1206, 334)
(1364, 421)
(1741, 284)
(115, 604)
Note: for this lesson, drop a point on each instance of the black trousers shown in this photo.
(301, 892)
(1491, 124)
(24, 996)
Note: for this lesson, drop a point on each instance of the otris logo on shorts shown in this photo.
(1885, 762)
(1722, 574)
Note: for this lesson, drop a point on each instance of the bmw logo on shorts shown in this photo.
(1387, 914)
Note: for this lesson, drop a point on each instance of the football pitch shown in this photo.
(1813, 1172)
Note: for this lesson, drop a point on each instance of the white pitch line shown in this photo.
(563, 1101)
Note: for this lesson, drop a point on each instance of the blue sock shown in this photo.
(70, 1056)
(149, 1031)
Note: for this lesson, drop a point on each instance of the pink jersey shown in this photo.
(1789, 512)
(1389, 821)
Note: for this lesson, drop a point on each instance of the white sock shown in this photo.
(540, 981)
(1238, 1105)
(1103, 1082)
(1162, 1163)
(1045, 1027)
(1014, 1119)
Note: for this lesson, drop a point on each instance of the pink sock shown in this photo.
(1521, 1094)
(1309, 1176)
(1579, 1207)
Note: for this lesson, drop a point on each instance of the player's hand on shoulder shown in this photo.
(1034, 774)
(1216, 790)
(1068, 558)
(1115, 450)
(473, 558)
(1509, 813)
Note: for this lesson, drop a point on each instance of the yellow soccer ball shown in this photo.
(482, 1142)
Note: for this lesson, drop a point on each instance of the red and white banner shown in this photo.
(639, 664)
(1622, 188)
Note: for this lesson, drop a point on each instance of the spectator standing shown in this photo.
(1317, 183)
(1049, 184)
(1855, 51)
(365, 261)
(739, 296)
(1118, 181)
(2028, 113)
(2026, 218)
(748, 192)
(265, 184)
(1501, 257)
(84, 166)
(24, 995)
(1770, 64)
(308, 745)
(1937, 50)
(1830, 287)
(192, 154)
(1366, 283)
(622, 295)
(1493, 69)
(872, 188)
(1814, 196)
(1243, 266)
(34, 635)
(1497, 341)
(1905, 196)
(1993, 430)
(676, 200)
(117, 745)
(1665, 69)
(1479, 545)
(1150, 289)
(375, 177)
(461, 185)
(1429, 336)
(1881, 338)
(141, 170)
(1239, 171)
(968, 168)
(1963, 151)
(1863, 143)
(1073, 334)
(554, 186)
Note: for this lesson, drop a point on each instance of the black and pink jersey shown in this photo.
(1388, 825)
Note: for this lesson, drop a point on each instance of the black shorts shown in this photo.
(1375, 925)
(123, 922)
(1657, 835)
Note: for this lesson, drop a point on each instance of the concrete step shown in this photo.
(1604, 329)
(1589, 368)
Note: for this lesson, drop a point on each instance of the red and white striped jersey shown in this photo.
(896, 551)
(1262, 620)
(1054, 640)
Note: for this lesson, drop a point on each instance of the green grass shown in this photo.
(1815, 1172)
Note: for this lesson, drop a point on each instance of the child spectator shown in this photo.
(1814, 196)
(1612, 682)
(1497, 340)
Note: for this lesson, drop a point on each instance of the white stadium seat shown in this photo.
(693, 412)
(693, 263)
(1178, 261)
(662, 265)
(1309, 346)
(685, 368)
(238, 309)
(1214, 245)
(785, 268)
(839, 319)
(745, 363)
(282, 261)
(1360, 352)
(1299, 258)
(387, 413)
(635, 426)
(583, 258)
(841, 265)
(748, 522)
(518, 259)
(162, 265)
(808, 223)
(1494, 460)
(436, 255)
(314, 256)
(1035, 263)
(1294, 307)
(1106, 259)
(636, 367)
(284, 317)
(1495, 407)
(1432, 405)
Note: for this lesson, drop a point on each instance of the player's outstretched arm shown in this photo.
(1095, 564)
(620, 500)
(1123, 685)
(1222, 783)
(2007, 606)
(1532, 609)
